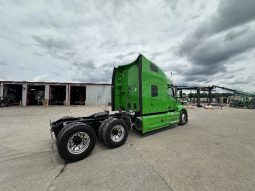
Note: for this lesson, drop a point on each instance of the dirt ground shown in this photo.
(214, 151)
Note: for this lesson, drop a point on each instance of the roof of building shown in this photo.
(52, 83)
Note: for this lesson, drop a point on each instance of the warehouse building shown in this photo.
(54, 93)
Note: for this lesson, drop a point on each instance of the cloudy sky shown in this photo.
(199, 42)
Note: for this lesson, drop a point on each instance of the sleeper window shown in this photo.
(154, 91)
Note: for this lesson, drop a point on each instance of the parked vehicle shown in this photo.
(142, 97)
(4, 102)
(242, 101)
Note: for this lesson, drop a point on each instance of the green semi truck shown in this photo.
(142, 97)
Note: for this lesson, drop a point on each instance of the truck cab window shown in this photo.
(170, 92)
(154, 90)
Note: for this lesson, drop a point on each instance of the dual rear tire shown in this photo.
(77, 140)
(113, 132)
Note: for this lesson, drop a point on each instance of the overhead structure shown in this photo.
(198, 89)
(235, 92)
(240, 99)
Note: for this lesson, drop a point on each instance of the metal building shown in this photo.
(54, 93)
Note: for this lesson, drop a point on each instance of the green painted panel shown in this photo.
(143, 87)
(153, 122)
(157, 121)
(172, 118)
(126, 90)
(159, 103)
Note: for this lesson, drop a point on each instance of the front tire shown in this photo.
(183, 118)
(76, 141)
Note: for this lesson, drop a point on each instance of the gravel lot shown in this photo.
(214, 151)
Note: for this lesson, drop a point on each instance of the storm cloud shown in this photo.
(214, 43)
(3, 63)
(88, 71)
(194, 42)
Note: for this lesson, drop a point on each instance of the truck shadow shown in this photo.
(101, 147)
(134, 133)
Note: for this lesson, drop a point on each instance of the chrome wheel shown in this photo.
(117, 133)
(183, 118)
(78, 142)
